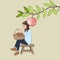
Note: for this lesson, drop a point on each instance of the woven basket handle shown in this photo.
(18, 29)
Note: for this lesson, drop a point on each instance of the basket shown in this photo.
(18, 35)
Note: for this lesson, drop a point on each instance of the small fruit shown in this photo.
(32, 21)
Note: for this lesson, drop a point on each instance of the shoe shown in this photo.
(16, 53)
(13, 49)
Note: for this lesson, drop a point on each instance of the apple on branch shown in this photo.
(32, 21)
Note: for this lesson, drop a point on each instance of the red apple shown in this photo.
(32, 21)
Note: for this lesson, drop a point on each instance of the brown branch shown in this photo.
(33, 14)
(45, 9)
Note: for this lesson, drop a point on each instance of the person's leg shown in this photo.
(24, 42)
(17, 45)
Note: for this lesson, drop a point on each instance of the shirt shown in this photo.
(28, 36)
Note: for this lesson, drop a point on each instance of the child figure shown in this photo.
(27, 40)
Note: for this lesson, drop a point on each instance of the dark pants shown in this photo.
(18, 42)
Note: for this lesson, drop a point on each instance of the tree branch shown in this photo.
(45, 9)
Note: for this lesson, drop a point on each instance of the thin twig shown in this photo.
(47, 9)
(55, 6)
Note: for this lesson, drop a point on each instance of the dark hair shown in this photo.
(25, 23)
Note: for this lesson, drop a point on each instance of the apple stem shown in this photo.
(32, 15)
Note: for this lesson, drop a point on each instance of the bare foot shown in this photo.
(16, 53)
(13, 49)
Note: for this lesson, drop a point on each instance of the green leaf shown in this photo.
(50, 12)
(25, 15)
(26, 9)
(47, 4)
(20, 14)
(38, 16)
(52, 3)
(55, 11)
(38, 9)
(30, 9)
(20, 11)
(44, 13)
(58, 9)
(35, 11)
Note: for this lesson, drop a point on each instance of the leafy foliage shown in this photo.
(49, 10)
(38, 9)
(30, 9)
(52, 3)
(38, 16)
(55, 11)
(26, 9)
(52, 11)
(20, 14)
(25, 15)
(58, 9)
(44, 12)
(47, 4)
